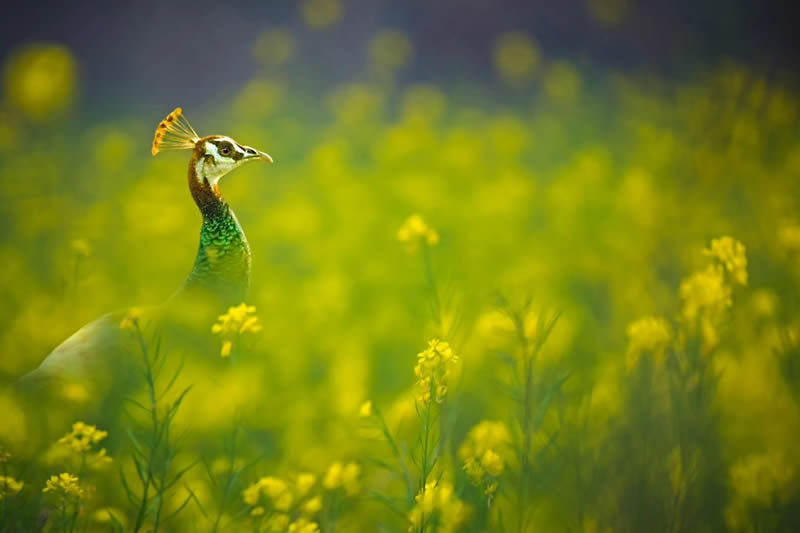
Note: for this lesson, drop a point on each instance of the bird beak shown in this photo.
(252, 153)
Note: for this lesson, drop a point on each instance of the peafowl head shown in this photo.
(212, 156)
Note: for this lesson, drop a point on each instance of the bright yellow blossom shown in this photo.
(438, 498)
(365, 411)
(333, 477)
(648, 334)
(481, 450)
(304, 483)
(415, 231)
(705, 292)
(731, 254)
(81, 441)
(433, 368)
(9, 485)
(303, 525)
(239, 320)
(64, 484)
(312, 506)
(278, 523)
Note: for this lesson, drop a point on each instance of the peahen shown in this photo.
(96, 355)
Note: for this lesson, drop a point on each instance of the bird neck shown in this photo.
(222, 265)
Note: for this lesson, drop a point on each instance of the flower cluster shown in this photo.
(279, 500)
(415, 231)
(437, 503)
(345, 476)
(705, 292)
(64, 485)
(731, 254)
(238, 320)
(481, 451)
(648, 334)
(9, 485)
(81, 440)
(432, 370)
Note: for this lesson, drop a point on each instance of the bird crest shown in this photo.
(174, 133)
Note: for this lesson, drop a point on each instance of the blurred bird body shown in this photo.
(99, 356)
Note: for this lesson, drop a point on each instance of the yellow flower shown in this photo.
(481, 450)
(278, 523)
(365, 411)
(237, 321)
(731, 254)
(303, 525)
(9, 485)
(64, 484)
(257, 511)
(225, 351)
(648, 334)
(438, 498)
(432, 370)
(252, 494)
(131, 318)
(333, 477)
(350, 475)
(705, 292)
(81, 440)
(312, 506)
(415, 231)
(492, 463)
(304, 483)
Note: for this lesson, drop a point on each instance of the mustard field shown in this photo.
(561, 299)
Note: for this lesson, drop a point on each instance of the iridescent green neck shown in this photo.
(222, 265)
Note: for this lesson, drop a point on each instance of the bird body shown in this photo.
(98, 354)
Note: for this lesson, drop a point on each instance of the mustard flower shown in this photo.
(304, 483)
(9, 485)
(415, 231)
(303, 525)
(131, 318)
(333, 477)
(64, 485)
(438, 498)
(705, 292)
(648, 334)
(277, 491)
(81, 441)
(239, 320)
(278, 523)
(365, 411)
(481, 450)
(731, 254)
(433, 368)
(312, 506)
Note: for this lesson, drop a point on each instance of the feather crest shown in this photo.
(174, 133)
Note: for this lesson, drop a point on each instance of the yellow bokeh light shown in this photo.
(41, 80)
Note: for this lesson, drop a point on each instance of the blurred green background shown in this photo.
(582, 173)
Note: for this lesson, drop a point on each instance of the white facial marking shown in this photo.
(219, 165)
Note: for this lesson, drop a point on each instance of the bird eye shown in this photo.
(225, 149)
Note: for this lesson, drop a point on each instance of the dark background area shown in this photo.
(202, 49)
